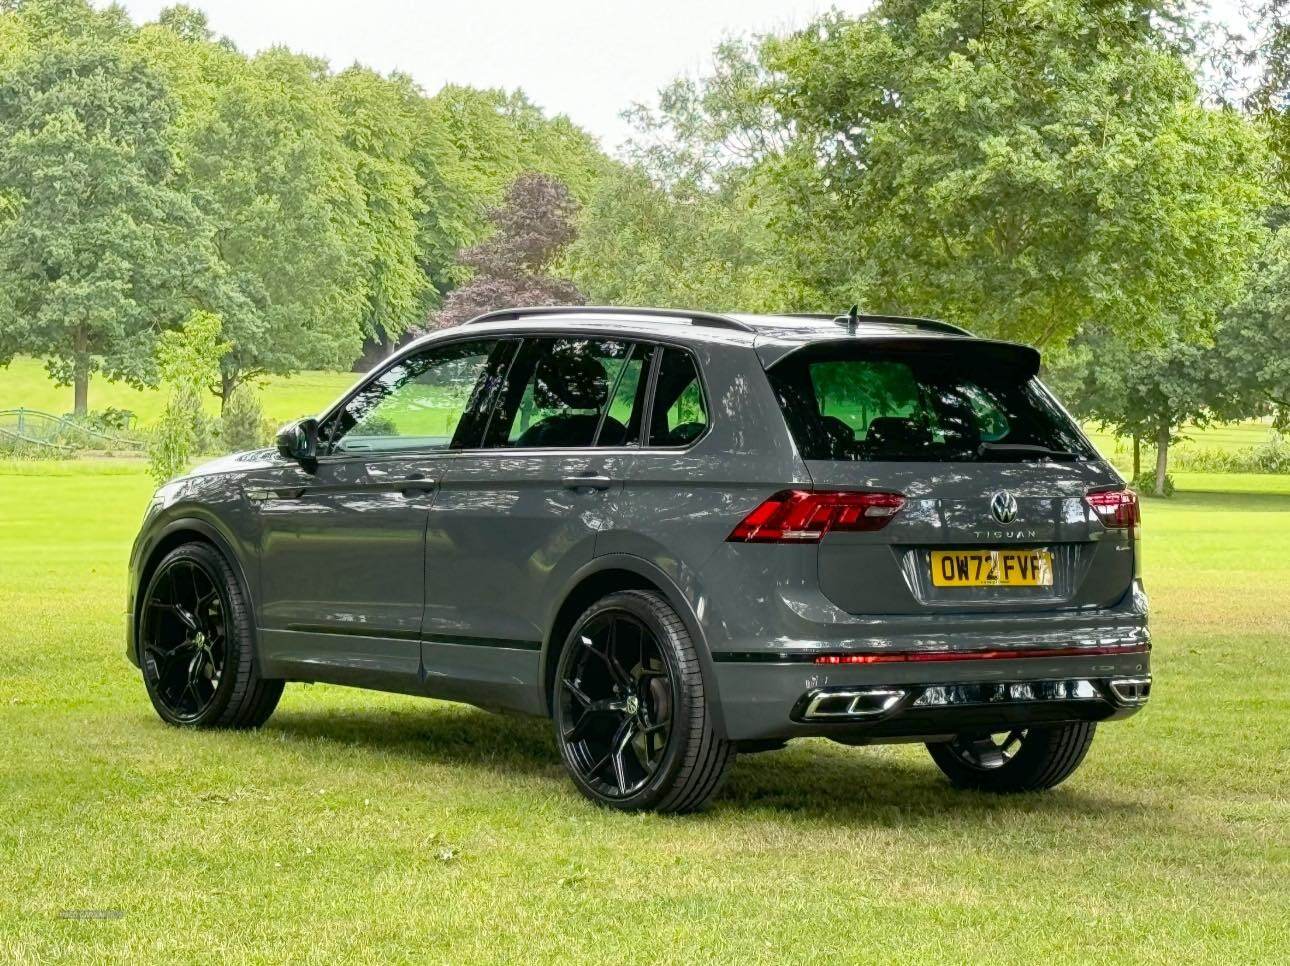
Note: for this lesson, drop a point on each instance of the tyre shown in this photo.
(197, 646)
(631, 718)
(1022, 760)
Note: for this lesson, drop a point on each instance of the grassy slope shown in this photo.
(359, 825)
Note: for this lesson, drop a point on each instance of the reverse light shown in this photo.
(1117, 509)
(804, 516)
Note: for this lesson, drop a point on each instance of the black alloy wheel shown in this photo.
(195, 640)
(616, 701)
(631, 717)
(1016, 760)
(184, 639)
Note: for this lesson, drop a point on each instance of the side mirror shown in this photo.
(299, 440)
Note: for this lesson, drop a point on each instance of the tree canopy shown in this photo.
(100, 248)
(154, 169)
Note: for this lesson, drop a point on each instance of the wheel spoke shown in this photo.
(576, 691)
(984, 753)
(594, 710)
(622, 738)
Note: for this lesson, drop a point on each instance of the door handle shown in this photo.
(587, 482)
(263, 494)
(415, 483)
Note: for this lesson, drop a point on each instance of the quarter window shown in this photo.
(680, 413)
(427, 401)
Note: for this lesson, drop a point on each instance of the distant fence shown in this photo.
(57, 434)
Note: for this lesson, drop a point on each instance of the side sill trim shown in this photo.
(514, 644)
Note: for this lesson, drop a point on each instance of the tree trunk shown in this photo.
(81, 391)
(80, 372)
(227, 383)
(1137, 455)
(1162, 458)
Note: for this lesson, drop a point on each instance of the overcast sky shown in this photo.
(583, 58)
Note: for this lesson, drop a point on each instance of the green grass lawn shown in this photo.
(24, 382)
(381, 828)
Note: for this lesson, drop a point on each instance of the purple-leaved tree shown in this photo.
(532, 226)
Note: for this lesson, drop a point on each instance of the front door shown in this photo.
(342, 542)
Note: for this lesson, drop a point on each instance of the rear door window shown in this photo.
(844, 402)
(570, 393)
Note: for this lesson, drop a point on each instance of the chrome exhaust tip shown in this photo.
(855, 703)
(1131, 691)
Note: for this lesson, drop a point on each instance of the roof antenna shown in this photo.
(853, 319)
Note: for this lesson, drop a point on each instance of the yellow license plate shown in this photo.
(992, 568)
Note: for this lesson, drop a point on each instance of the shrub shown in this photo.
(1145, 483)
(1272, 456)
(175, 437)
(243, 425)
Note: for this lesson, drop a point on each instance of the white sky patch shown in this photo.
(583, 58)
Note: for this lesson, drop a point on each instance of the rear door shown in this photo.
(993, 472)
(517, 516)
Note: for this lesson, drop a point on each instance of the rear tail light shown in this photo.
(803, 516)
(1117, 509)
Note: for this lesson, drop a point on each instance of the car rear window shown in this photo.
(851, 402)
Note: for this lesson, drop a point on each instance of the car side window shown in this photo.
(564, 393)
(423, 402)
(679, 414)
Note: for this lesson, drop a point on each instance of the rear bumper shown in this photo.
(885, 702)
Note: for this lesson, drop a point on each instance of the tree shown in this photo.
(1140, 392)
(642, 243)
(1024, 169)
(377, 129)
(532, 226)
(189, 360)
(1251, 358)
(99, 244)
(267, 166)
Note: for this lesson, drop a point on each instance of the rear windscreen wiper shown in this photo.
(1025, 449)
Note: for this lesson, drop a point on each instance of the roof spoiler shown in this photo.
(1020, 359)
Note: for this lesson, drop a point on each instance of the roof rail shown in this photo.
(931, 325)
(711, 319)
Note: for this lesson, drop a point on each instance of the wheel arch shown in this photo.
(174, 534)
(608, 574)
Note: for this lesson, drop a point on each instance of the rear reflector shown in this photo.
(1117, 509)
(900, 657)
(804, 516)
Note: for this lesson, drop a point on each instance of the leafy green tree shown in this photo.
(1250, 364)
(1024, 169)
(642, 243)
(378, 130)
(1145, 393)
(474, 144)
(99, 243)
(242, 424)
(267, 166)
(189, 360)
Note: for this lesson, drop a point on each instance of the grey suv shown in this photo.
(678, 534)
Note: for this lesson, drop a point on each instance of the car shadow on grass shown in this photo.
(810, 779)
